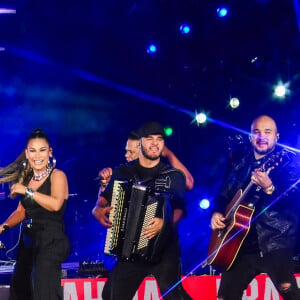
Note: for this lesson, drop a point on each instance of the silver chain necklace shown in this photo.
(42, 175)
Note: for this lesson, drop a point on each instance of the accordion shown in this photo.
(133, 206)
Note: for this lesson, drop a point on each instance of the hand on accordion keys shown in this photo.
(101, 214)
(154, 227)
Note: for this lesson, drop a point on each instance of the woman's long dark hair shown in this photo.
(18, 170)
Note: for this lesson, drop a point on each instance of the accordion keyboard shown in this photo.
(150, 214)
(115, 217)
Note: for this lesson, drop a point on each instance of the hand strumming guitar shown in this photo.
(217, 221)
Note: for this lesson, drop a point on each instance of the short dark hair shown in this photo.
(133, 135)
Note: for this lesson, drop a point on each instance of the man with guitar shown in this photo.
(255, 232)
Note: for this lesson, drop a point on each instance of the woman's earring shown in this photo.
(25, 164)
(53, 163)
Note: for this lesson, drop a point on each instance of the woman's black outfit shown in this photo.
(43, 247)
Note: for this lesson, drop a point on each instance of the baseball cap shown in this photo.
(149, 128)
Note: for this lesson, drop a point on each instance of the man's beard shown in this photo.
(148, 156)
(264, 152)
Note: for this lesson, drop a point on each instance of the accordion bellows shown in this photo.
(133, 206)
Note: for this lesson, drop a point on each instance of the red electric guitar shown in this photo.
(226, 243)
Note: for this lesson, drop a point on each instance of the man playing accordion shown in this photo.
(160, 179)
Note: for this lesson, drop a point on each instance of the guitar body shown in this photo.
(225, 243)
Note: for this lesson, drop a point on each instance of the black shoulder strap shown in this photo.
(164, 170)
(170, 170)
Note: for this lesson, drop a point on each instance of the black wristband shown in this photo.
(5, 228)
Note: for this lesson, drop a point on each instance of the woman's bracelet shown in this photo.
(29, 193)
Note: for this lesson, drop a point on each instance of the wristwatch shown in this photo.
(270, 190)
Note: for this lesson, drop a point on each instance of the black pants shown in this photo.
(37, 273)
(127, 276)
(278, 265)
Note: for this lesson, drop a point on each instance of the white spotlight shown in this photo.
(234, 102)
(201, 118)
(280, 91)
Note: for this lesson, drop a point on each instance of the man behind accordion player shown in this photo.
(128, 274)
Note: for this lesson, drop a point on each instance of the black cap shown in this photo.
(151, 128)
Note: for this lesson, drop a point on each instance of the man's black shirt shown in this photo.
(161, 178)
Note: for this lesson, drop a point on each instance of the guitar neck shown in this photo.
(238, 201)
(240, 195)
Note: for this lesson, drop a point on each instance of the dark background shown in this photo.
(79, 70)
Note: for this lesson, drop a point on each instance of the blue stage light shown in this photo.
(185, 28)
(204, 203)
(151, 49)
(222, 11)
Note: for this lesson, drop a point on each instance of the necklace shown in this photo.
(42, 175)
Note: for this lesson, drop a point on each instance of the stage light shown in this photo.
(234, 102)
(2, 49)
(280, 91)
(204, 203)
(201, 118)
(254, 59)
(222, 11)
(185, 29)
(151, 49)
(168, 131)
(7, 11)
